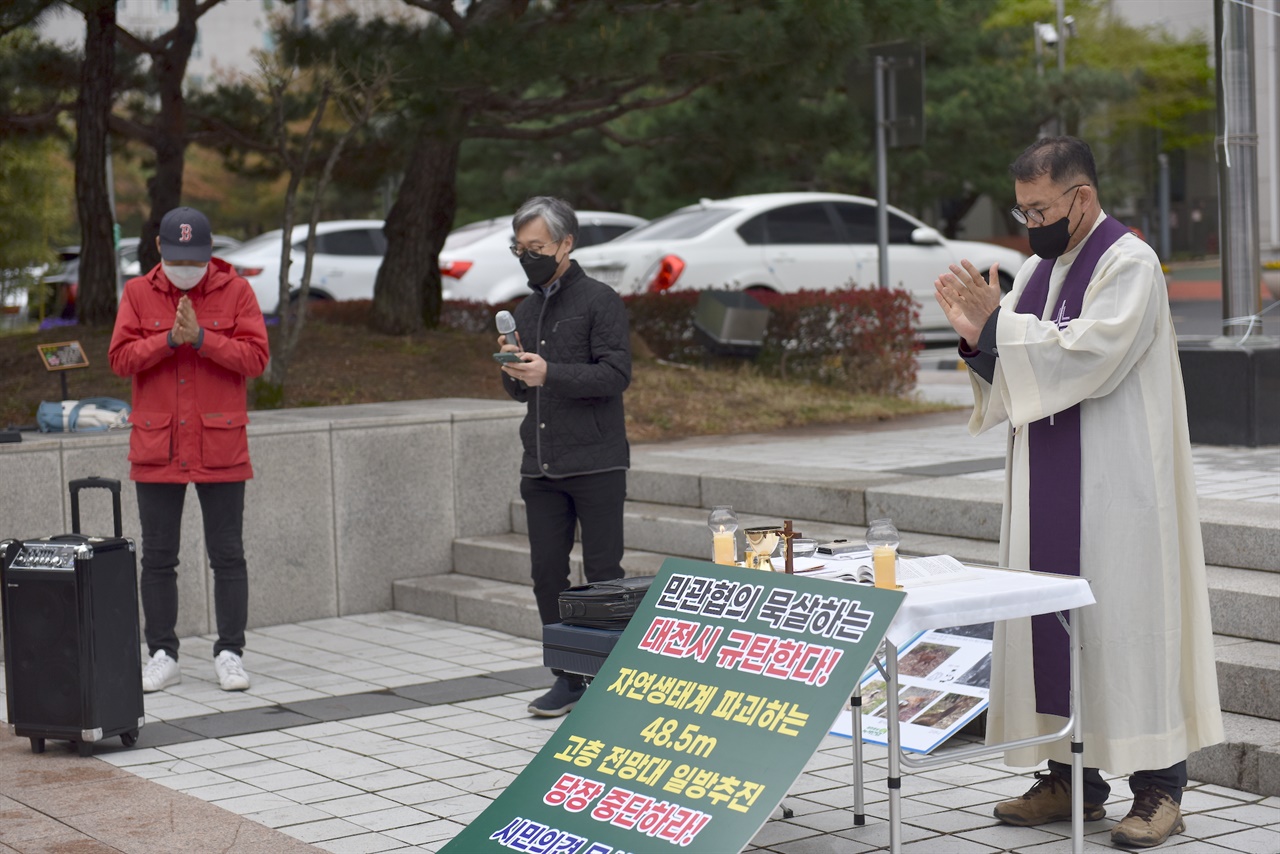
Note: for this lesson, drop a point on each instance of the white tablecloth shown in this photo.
(986, 595)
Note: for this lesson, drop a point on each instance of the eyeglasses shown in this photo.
(1035, 216)
(533, 254)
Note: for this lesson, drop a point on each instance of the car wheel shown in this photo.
(312, 299)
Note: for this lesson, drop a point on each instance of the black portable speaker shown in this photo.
(71, 650)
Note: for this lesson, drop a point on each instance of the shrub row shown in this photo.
(858, 339)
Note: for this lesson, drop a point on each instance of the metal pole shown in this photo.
(855, 717)
(895, 748)
(111, 203)
(1166, 246)
(1062, 42)
(1237, 151)
(882, 174)
(1035, 28)
(1272, 50)
(1077, 736)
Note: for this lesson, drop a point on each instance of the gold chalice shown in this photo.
(762, 541)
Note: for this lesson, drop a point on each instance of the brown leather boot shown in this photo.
(1048, 800)
(1154, 818)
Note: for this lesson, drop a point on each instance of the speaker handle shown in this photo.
(95, 482)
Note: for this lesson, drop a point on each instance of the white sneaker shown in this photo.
(230, 671)
(160, 672)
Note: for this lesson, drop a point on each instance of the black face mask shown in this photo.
(1050, 240)
(539, 270)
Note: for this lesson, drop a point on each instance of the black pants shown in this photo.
(222, 506)
(1171, 780)
(553, 508)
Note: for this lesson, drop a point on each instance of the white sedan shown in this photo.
(476, 262)
(787, 242)
(345, 265)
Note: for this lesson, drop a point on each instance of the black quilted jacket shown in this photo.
(575, 423)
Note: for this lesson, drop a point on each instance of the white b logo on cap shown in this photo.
(185, 235)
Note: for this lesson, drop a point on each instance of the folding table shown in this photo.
(983, 595)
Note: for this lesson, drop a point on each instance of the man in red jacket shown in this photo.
(189, 333)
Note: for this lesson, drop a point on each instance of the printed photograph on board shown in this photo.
(924, 659)
(948, 710)
(912, 700)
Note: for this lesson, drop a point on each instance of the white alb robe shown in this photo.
(1149, 683)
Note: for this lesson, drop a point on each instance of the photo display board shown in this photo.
(63, 356)
(944, 681)
(715, 697)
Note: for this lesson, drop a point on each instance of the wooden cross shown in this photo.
(789, 534)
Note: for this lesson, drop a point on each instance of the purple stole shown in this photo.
(1054, 448)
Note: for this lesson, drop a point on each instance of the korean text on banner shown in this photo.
(714, 698)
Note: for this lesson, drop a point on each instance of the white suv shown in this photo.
(476, 262)
(788, 242)
(345, 265)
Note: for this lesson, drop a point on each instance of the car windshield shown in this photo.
(469, 234)
(680, 225)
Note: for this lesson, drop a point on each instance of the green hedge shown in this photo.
(860, 340)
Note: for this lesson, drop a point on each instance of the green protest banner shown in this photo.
(714, 698)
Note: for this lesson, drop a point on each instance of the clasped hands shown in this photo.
(186, 329)
(967, 299)
(532, 371)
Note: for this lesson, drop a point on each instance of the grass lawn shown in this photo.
(342, 364)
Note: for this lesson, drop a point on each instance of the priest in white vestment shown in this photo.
(1110, 362)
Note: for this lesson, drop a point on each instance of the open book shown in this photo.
(912, 571)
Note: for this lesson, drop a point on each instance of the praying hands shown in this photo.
(967, 298)
(186, 328)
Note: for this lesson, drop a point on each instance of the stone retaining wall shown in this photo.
(345, 500)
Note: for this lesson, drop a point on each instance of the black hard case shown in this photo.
(71, 646)
(577, 649)
(604, 604)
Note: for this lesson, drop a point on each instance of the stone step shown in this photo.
(1242, 534)
(1236, 533)
(1245, 603)
(1248, 760)
(1248, 677)
(471, 601)
(505, 557)
(682, 531)
(1248, 669)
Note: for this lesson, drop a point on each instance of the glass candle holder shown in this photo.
(883, 540)
(723, 522)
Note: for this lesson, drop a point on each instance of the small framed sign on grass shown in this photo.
(63, 356)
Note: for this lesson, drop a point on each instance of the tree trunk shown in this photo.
(406, 294)
(96, 299)
(169, 133)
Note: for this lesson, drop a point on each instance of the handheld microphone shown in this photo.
(507, 326)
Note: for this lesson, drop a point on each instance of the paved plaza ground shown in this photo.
(388, 732)
(401, 758)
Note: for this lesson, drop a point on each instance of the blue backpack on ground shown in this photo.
(92, 414)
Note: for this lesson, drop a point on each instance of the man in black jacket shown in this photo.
(574, 345)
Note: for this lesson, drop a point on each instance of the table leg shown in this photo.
(895, 745)
(1077, 740)
(859, 808)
